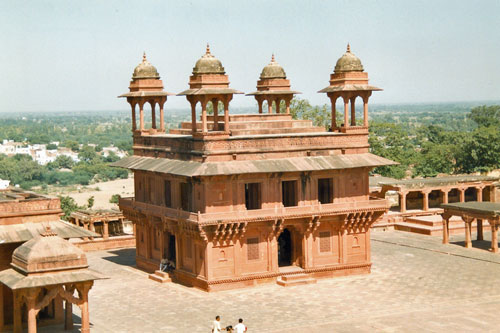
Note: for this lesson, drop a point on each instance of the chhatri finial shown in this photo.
(348, 48)
(48, 232)
(144, 57)
(208, 49)
(272, 58)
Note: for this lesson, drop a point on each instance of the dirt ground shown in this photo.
(102, 192)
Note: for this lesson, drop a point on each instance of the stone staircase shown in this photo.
(295, 280)
(432, 225)
(161, 277)
(252, 124)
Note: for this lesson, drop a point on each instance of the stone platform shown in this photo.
(417, 284)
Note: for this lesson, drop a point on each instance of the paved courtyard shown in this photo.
(417, 284)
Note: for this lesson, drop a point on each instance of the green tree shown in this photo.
(485, 116)
(68, 206)
(90, 202)
(114, 199)
(88, 155)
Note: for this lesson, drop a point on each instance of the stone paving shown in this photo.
(417, 285)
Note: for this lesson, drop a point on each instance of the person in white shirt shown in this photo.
(240, 328)
(216, 325)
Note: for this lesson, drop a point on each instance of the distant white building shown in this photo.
(4, 184)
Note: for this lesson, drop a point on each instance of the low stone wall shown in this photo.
(108, 244)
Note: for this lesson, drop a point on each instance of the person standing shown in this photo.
(216, 325)
(240, 328)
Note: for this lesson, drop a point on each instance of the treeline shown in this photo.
(425, 140)
(69, 130)
(428, 150)
(22, 170)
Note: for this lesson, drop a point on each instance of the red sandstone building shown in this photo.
(24, 216)
(236, 200)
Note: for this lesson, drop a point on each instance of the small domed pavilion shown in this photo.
(209, 83)
(48, 269)
(273, 86)
(349, 80)
(146, 87)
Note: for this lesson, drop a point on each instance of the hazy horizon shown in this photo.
(79, 56)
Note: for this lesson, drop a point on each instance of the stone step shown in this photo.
(431, 220)
(162, 274)
(277, 131)
(159, 278)
(295, 280)
(259, 116)
(251, 124)
(455, 228)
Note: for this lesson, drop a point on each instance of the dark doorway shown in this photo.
(325, 190)
(252, 196)
(171, 249)
(285, 249)
(289, 193)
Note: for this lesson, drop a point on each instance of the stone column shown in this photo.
(479, 194)
(479, 228)
(215, 106)
(193, 116)
(84, 296)
(445, 196)
(365, 112)
(446, 230)
(162, 118)
(334, 113)
(402, 203)
(353, 111)
(30, 304)
(226, 114)
(425, 200)
(259, 102)
(134, 122)
(287, 104)
(153, 115)
(105, 229)
(269, 106)
(468, 241)
(346, 112)
(494, 236)
(462, 194)
(68, 310)
(86, 227)
(17, 320)
(277, 101)
(204, 116)
(141, 116)
(92, 228)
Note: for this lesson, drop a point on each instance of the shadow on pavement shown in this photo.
(124, 257)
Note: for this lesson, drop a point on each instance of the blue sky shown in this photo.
(79, 55)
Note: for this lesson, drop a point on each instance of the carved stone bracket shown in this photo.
(357, 222)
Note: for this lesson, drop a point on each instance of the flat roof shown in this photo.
(292, 164)
(437, 181)
(17, 233)
(485, 208)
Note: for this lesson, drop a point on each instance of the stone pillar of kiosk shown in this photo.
(494, 236)
(273, 86)
(349, 80)
(425, 200)
(446, 228)
(402, 203)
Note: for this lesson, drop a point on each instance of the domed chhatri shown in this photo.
(48, 253)
(208, 64)
(145, 70)
(348, 62)
(273, 71)
(349, 81)
(273, 87)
